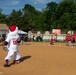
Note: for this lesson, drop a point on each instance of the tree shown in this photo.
(70, 0)
(31, 19)
(0, 11)
(51, 7)
(64, 14)
(28, 8)
(2, 17)
(15, 18)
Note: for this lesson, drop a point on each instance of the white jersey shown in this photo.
(12, 41)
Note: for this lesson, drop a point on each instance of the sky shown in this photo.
(8, 5)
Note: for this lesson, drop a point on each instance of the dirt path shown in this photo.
(42, 59)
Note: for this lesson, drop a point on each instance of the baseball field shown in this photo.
(41, 58)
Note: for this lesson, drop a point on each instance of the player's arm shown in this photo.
(19, 40)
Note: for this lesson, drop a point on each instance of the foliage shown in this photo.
(62, 15)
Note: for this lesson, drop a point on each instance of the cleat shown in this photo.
(6, 63)
(17, 61)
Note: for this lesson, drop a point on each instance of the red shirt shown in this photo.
(68, 37)
(52, 40)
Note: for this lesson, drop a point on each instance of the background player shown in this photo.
(52, 40)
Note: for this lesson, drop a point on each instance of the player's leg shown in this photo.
(8, 58)
(17, 57)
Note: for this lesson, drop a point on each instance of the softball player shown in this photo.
(68, 40)
(52, 40)
(12, 41)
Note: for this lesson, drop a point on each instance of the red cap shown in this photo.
(12, 28)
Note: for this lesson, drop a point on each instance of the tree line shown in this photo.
(56, 15)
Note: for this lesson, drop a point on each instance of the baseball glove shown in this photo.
(5, 48)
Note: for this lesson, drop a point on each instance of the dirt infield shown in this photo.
(40, 58)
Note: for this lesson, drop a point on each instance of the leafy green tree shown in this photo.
(28, 8)
(51, 7)
(64, 21)
(15, 18)
(2, 17)
(30, 17)
(0, 11)
(64, 13)
(70, 0)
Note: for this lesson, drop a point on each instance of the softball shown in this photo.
(34, 2)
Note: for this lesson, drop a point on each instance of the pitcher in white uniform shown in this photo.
(12, 41)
